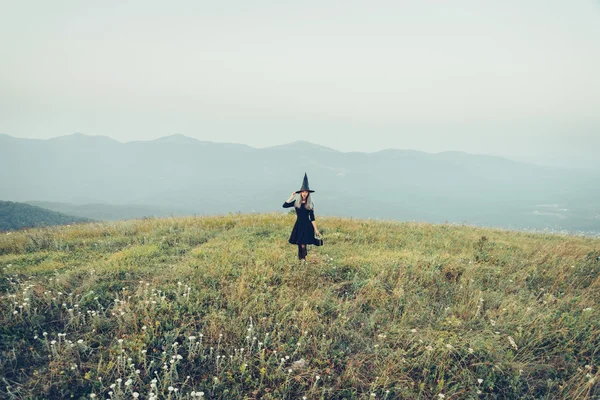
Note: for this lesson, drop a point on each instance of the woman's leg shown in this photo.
(300, 252)
(304, 251)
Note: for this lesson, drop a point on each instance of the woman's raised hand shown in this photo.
(292, 195)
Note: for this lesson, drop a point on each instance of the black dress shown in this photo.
(303, 231)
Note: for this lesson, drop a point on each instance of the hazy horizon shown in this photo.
(317, 144)
(177, 176)
(509, 79)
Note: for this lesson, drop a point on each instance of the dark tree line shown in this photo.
(19, 215)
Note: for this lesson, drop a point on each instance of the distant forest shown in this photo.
(18, 215)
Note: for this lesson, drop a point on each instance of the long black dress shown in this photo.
(303, 231)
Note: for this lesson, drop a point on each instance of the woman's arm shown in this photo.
(290, 202)
(311, 216)
(316, 230)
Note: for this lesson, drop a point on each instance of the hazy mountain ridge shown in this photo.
(111, 212)
(178, 172)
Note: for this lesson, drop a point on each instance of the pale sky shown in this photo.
(517, 78)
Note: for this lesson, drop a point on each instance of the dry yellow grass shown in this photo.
(396, 310)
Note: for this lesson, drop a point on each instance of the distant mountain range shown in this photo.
(181, 175)
(18, 215)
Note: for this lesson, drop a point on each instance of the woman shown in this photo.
(305, 227)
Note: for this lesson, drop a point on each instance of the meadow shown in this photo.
(220, 308)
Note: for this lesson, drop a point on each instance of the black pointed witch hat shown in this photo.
(305, 185)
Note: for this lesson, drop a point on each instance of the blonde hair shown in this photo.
(309, 203)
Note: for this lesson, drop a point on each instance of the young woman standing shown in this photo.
(305, 228)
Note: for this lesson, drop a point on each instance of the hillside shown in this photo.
(219, 305)
(20, 215)
(178, 174)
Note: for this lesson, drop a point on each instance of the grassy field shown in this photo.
(219, 307)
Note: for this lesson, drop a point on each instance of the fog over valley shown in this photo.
(100, 178)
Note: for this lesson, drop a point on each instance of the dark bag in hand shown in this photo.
(318, 241)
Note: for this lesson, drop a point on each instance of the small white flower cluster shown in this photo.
(512, 343)
(479, 307)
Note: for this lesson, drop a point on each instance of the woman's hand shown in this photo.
(317, 232)
(292, 196)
